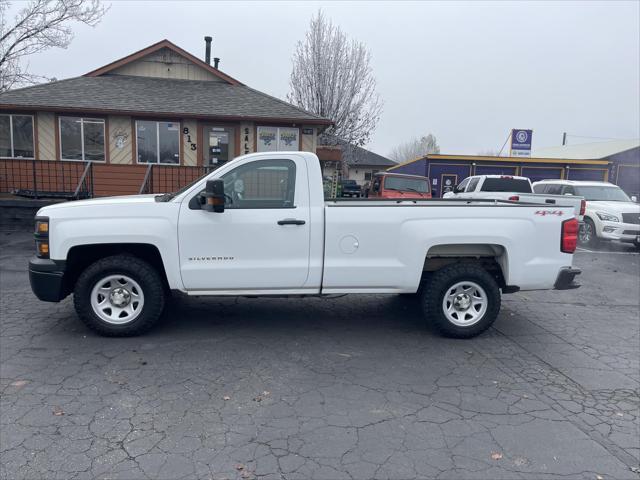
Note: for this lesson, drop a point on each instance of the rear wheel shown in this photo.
(461, 300)
(119, 296)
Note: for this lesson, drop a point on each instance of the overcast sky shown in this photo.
(467, 72)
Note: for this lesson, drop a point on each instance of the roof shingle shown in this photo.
(160, 96)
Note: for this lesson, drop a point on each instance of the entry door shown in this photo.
(448, 182)
(260, 241)
(219, 145)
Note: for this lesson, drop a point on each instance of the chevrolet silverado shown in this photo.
(259, 225)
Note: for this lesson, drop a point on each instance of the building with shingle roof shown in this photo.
(160, 105)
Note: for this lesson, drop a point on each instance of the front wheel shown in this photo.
(119, 296)
(461, 300)
(587, 234)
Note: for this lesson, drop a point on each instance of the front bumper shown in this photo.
(623, 232)
(565, 280)
(47, 279)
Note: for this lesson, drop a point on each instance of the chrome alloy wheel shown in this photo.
(117, 299)
(585, 233)
(465, 303)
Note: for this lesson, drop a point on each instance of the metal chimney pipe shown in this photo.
(207, 51)
(216, 61)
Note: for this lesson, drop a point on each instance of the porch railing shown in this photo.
(73, 180)
(46, 179)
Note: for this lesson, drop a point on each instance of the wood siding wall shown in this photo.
(166, 64)
(308, 143)
(247, 138)
(190, 156)
(45, 123)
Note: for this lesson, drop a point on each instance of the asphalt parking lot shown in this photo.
(351, 387)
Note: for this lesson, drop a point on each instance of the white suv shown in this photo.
(610, 214)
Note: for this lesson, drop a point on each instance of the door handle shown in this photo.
(291, 221)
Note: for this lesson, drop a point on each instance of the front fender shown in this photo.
(77, 228)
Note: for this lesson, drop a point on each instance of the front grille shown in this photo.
(631, 218)
(631, 232)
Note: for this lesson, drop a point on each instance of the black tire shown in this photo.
(587, 234)
(439, 284)
(141, 272)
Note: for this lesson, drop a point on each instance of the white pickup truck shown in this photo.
(508, 187)
(259, 225)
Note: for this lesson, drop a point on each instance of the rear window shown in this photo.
(515, 185)
(406, 184)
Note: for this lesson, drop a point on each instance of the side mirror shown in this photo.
(634, 198)
(214, 196)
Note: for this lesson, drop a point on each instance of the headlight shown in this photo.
(42, 237)
(42, 227)
(607, 217)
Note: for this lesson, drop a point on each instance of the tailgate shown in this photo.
(572, 201)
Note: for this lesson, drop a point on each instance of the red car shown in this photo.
(397, 185)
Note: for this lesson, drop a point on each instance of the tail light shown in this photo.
(569, 236)
(583, 206)
(515, 198)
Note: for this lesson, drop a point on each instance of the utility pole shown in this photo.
(564, 138)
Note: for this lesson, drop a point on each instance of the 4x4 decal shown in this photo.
(544, 213)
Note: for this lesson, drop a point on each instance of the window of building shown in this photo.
(369, 175)
(261, 184)
(16, 136)
(272, 139)
(82, 138)
(158, 142)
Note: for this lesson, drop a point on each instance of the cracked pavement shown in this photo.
(351, 387)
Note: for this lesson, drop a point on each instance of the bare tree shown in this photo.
(40, 25)
(418, 147)
(332, 77)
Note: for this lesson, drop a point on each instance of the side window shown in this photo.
(460, 188)
(473, 184)
(568, 189)
(261, 184)
(542, 188)
(553, 189)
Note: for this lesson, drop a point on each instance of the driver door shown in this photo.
(260, 241)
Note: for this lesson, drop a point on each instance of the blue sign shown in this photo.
(521, 142)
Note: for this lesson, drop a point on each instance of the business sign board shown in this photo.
(521, 142)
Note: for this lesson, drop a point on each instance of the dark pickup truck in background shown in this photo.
(350, 188)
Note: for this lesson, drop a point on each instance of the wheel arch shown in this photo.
(80, 257)
(492, 257)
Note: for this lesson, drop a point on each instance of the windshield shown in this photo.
(404, 183)
(516, 185)
(165, 197)
(597, 193)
